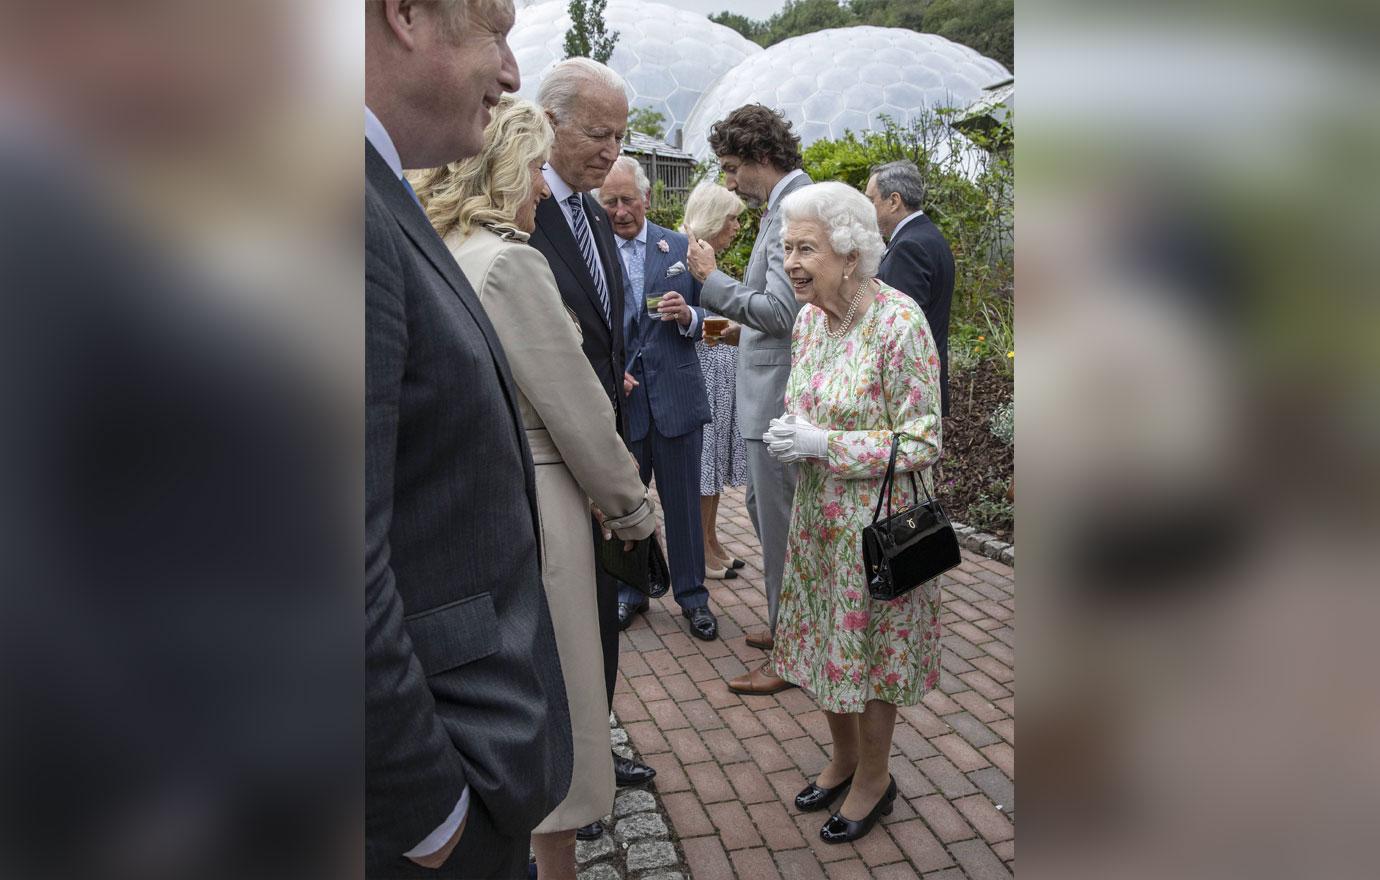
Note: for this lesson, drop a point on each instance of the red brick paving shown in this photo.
(729, 766)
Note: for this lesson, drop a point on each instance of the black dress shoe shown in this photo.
(628, 772)
(593, 831)
(841, 830)
(738, 563)
(702, 623)
(814, 797)
(627, 612)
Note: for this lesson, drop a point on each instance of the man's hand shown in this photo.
(673, 307)
(731, 334)
(438, 858)
(629, 383)
(600, 517)
(701, 258)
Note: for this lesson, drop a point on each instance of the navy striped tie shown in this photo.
(586, 243)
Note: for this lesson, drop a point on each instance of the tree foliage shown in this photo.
(647, 121)
(587, 37)
(984, 25)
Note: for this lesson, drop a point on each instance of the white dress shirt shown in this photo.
(377, 135)
(781, 185)
(904, 221)
(560, 191)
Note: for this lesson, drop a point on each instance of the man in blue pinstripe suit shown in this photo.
(665, 398)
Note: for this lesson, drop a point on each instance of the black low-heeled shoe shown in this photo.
(841, 830)
(816, 797)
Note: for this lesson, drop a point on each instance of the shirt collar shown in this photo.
(641, 237)
(376, 134)
(909, 217)
(560, 190)
(781, 185)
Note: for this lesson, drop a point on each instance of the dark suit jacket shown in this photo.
(603, 345)
(462, 681)
(918, 263)
(671, 391)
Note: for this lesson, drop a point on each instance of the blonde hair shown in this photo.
(488, 189)
(708, 209)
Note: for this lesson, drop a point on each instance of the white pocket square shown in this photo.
(676, 269)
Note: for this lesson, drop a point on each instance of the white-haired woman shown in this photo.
(711, 215)
(484, 208)
(863, 367)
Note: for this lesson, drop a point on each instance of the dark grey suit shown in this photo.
(462, 680)
(918, 263)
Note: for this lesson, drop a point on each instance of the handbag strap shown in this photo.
(889, 479)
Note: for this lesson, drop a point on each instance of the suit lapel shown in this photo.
(419, 230)
(654, 264)
(608, 253)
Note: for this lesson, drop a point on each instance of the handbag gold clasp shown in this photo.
(910, 521)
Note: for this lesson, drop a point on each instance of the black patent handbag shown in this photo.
(908, 548)
(643, 567)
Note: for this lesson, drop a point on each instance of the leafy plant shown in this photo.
(992, 510)
(1003, 423)
(587, 37)
(647, 121)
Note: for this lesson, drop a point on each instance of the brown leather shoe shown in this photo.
(759, 682)
(760, 638)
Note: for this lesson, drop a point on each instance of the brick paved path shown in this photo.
(728, 767)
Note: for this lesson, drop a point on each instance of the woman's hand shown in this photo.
(607, 533)
(791, 438)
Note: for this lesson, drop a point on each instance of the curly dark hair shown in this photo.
(758, 134)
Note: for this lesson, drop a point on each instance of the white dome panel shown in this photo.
(843, 79)
(668, 56)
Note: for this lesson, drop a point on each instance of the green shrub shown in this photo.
(1003, 423)
(992, 510)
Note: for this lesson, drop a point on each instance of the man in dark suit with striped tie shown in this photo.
(588, 107)
(666, 406)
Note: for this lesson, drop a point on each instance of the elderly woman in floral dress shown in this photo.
(863, 368)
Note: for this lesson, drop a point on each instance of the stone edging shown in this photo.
(988, 545)
(637, 843)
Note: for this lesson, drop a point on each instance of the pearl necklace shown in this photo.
(848, 318)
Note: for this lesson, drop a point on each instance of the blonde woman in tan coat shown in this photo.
(484, 208)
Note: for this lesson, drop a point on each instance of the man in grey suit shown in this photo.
(467, 731)
(760, 157)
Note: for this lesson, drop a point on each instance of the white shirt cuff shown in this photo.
(437, 839)
(693, 327)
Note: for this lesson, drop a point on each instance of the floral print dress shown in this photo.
(833, 638)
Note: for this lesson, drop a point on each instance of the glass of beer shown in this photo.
(713, 329)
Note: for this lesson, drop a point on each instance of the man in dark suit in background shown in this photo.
(588, 107)
(666, 403)
(467, 731)
(917, 261)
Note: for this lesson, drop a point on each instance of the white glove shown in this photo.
(791, 438)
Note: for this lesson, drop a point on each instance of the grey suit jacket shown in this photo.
(765, 305)
(463, 684)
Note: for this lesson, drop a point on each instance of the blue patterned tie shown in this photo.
(632, 299)
(586, 243)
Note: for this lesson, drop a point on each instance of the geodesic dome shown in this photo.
(842, 79)
(667, 55)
